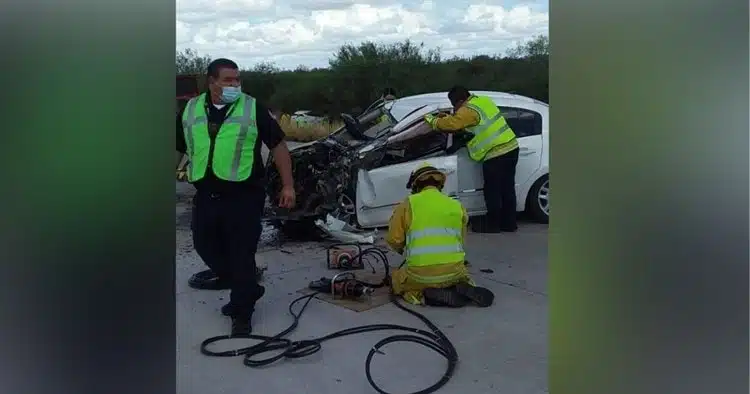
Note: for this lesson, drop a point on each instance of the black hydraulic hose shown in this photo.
(383, 258)
(433, 339)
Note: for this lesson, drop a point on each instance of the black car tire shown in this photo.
(533, 205)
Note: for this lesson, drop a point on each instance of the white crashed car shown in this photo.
(359, 173)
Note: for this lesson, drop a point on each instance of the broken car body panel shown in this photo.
(375, 203)
(359, 172)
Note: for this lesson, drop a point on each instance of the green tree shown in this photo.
(358, 74)
(536, 47)
(190, 62)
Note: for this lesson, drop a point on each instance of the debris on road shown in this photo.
(339, 230)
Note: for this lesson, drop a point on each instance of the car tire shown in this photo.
(535, 200)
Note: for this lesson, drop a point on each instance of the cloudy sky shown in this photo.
(307, 32)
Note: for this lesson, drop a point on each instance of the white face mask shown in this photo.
(230, 94)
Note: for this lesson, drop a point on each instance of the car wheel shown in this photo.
(537, 202)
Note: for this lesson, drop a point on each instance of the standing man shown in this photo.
(221, 132)
(494, 145)
(429, 229)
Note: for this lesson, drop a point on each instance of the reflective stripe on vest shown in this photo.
(434, 236)
(491, 131)
(233, 145)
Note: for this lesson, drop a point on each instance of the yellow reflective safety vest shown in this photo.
(492, 130)
(435, 234)
(233, 149)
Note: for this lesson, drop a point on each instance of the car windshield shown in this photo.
(411, 112)
(343, 135)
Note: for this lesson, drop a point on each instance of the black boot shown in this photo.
(447, 296)
(480, 296)
(242, 325)
(229, 310)
(483, 225)
(208, 280)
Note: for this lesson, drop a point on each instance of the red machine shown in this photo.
(345, 256)
(187, 88)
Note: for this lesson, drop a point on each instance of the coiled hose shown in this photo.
(433, 339)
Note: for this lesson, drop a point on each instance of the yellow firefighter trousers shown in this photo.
(408, 282)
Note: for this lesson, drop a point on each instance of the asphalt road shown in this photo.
(502, 349)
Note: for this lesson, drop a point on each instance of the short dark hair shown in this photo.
(216, 65)
(458, 93)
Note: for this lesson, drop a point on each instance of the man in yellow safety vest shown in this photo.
(221, 132)
(494, 145)
(428, 228)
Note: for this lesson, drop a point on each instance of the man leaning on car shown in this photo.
(494, 145)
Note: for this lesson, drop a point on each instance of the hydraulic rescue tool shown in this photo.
(343, 285)
(345, 256)
(347, 286)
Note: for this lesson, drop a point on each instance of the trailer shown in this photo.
(187, 88)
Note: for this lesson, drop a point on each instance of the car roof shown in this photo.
(414, 107)
(403, 106)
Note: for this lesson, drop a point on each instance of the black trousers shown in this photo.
(226, 230)
(500, 190)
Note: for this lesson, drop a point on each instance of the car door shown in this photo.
(527, 125)
(379, 190)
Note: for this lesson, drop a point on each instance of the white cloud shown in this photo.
(293, 32)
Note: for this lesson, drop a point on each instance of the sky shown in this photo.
(290, 33)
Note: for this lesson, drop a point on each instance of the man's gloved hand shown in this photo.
(430, 119)
(182, 175)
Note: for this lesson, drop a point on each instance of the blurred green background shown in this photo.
(358, 74)
(648, 282)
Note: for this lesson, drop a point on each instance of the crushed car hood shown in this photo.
(300, 145)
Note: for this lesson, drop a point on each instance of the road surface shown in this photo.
(502, 349)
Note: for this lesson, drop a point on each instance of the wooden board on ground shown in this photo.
(378, 298)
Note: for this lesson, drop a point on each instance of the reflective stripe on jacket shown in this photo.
(492, 130)
(435, 234)
(234, 144)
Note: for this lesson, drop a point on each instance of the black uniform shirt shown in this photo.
(269, 133)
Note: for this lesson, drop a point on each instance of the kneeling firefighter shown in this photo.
(428, 228)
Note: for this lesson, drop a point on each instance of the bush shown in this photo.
(358, 74)
(307, 133)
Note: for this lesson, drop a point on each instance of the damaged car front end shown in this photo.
(328, 172)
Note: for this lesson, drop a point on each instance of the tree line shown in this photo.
(358, 74)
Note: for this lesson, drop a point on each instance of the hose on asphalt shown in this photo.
(433, 338)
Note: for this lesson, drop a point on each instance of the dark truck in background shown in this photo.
(187, 88)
